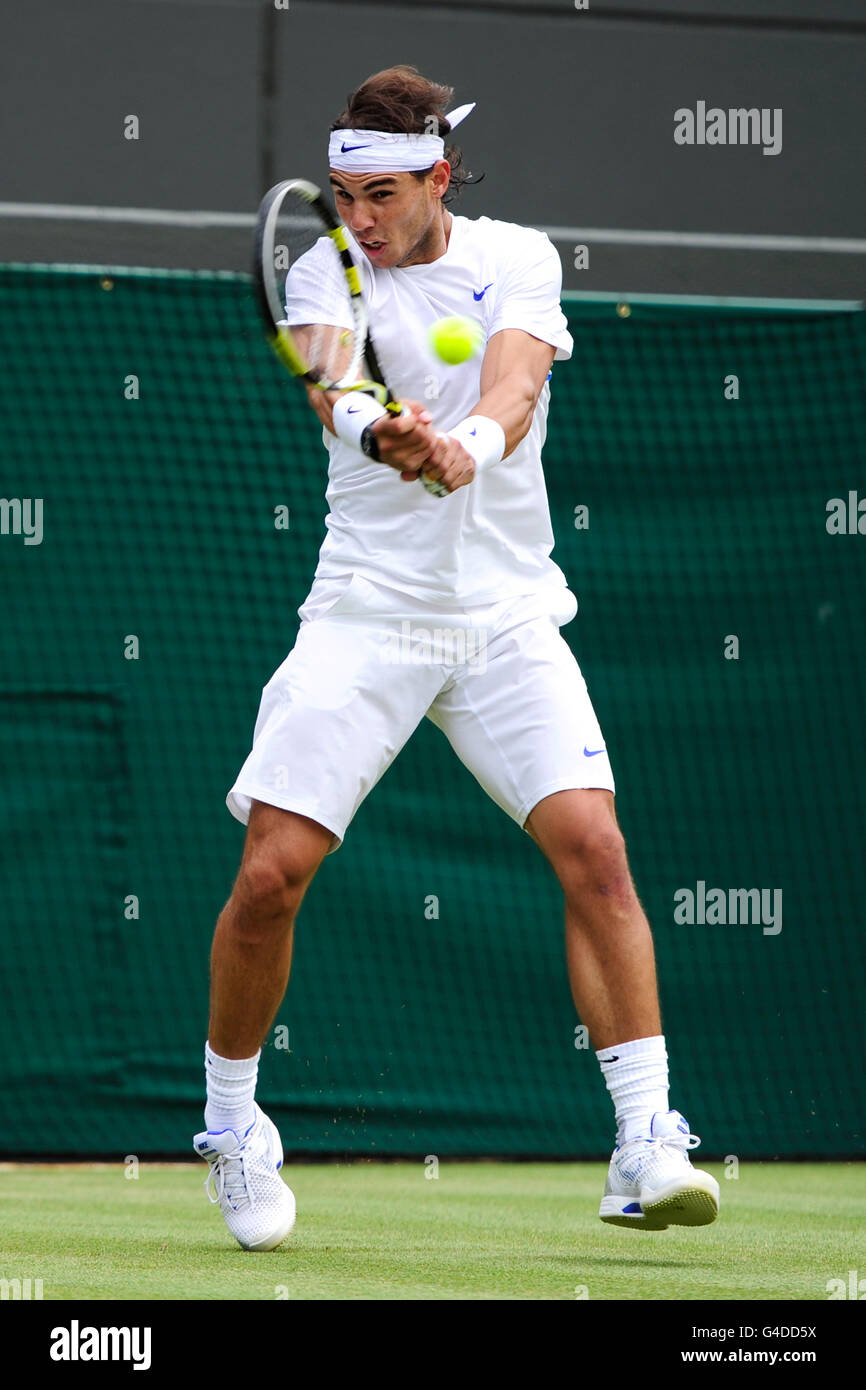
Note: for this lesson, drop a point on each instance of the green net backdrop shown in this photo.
(406, 1034)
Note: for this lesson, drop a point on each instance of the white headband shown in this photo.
(369, 151)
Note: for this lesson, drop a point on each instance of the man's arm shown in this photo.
(513, 373)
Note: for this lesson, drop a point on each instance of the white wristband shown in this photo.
(481, 437)
(353, 412)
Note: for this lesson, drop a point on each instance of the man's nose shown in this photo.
(361, 218)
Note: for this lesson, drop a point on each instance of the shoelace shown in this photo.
(686, 1141)
(679, 1140)
(228, 1169)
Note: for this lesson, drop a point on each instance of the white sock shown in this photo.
(636, 1074)
(231, 1087)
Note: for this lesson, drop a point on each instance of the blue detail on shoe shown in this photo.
(633, 1209)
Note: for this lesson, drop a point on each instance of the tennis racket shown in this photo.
(332, 349)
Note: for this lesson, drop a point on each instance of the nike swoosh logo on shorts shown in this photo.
(591, 753)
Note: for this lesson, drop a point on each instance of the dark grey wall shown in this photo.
(574, 126)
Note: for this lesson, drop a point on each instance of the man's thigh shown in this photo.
(331, 721)
(522, 721)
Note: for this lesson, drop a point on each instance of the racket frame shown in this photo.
(272, 311)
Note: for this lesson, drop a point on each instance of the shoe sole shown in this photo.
(612, 1212)
(694, 1205)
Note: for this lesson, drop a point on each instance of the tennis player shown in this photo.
(475, 561)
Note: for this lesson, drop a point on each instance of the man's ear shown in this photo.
(441, 177)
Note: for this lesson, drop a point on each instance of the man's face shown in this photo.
(395, 218)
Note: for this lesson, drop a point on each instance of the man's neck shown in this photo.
(427, 259)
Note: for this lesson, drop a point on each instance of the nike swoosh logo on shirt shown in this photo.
(479, 294)
(591, 753)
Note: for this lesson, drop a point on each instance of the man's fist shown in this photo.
(448, 463)
(406, 441)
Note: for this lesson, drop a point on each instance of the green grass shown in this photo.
(384, 1231)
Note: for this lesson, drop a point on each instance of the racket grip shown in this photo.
(435, 488)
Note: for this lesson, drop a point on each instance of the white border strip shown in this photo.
(610, 236)
(142, 217)
(716, 241)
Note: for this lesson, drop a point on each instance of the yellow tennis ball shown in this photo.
(454, 340)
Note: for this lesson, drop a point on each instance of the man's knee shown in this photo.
(588, 849)
(596, 855)
(281, 856)
(268, 885)
(596, 872)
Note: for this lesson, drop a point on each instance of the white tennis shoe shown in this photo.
(244, 1178)
(651, 1183)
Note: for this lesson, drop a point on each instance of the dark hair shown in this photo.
(399, 99)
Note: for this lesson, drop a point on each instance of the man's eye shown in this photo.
(382, 194)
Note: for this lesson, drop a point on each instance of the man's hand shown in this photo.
(448, 463)
(409, 443)
(406, 441)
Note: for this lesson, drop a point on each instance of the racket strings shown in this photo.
(312, 287)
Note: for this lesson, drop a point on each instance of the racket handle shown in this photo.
(432, 485)
(435, 488)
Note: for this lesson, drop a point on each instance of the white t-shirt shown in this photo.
(492, 539)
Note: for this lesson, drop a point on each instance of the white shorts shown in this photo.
(369, 663)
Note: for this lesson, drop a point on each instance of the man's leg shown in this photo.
(252, 946)
(250, 962)
(611, 964)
